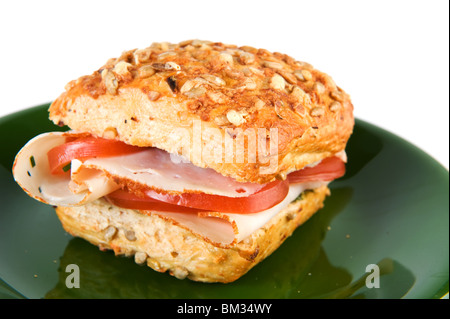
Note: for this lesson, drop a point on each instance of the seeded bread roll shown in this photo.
(165, 246)
(156, 96)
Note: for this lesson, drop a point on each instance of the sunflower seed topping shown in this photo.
(110, 81)
(130, 235)
(166, 54)
(306, 75)
(273, 65)
(110, 233)
(226, 57)
(337, 95)
(179, 272)
(213, 79)
(300, 95)
(288, 76)
(299, 75)
(110, 133)
(236, 118)
(153, 95)
(165, 66)
(140, 257)
(146, 71)
(195, 92)
(172, 66)
(335, 106)
(277, 82)
(246, 58)
(142, 55)
(319, 88)
(121, 68)
(317, 112)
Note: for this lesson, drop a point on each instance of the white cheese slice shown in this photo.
(224, 229)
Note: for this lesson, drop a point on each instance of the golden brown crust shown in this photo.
(164, 246)
(145, 97)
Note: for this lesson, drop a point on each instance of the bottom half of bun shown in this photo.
(166, 247)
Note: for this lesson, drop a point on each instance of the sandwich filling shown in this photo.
(71, 169)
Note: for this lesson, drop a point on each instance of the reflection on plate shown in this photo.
(390, 210)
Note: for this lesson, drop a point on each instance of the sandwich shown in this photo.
(197, 159)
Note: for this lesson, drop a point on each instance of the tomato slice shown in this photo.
(129, 200)
(327, 170)
(270, 195)
(82, 148)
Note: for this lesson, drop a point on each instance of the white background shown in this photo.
(392, 57)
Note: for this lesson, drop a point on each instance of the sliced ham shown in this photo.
(167, 172)
(154, 168)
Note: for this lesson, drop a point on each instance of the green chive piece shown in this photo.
(66, 168)
(33, 163)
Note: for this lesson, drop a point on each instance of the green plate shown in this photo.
(391, 210)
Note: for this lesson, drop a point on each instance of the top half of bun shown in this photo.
(157, 96)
